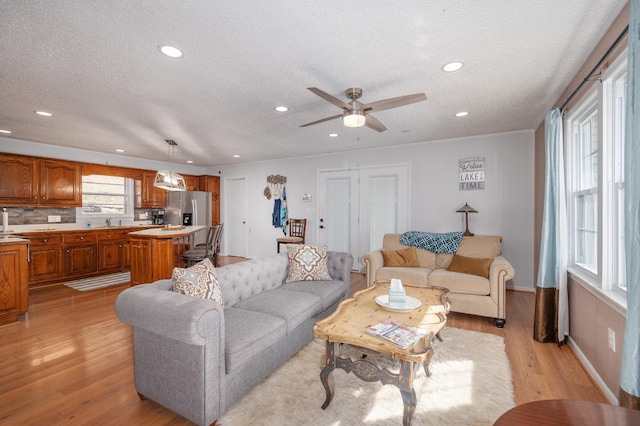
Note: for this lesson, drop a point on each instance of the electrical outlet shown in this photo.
(55, 218)
(612, 339)
(143, 216)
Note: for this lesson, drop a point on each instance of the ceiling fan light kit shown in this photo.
(357, 114)
(354, 118)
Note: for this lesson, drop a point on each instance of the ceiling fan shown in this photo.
(356, 114)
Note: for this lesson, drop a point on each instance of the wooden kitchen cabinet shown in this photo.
(46, 257)
(191, 182)
(81, 254)
(32, 181)
(150, 196)
(212, 184)
(113, 251)
(19, 180)
(14, 294)
(140, 262)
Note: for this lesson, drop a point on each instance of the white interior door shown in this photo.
(338, 203)
(357, 207)
(384, 204)
(235, 223)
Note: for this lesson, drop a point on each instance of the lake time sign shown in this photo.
(471, 174)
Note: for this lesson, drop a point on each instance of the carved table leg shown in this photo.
(325, 375)
(405, 383)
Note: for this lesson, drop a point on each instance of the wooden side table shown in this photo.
(568, 412)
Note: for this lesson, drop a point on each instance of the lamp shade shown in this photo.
(170, 181)
(353, 118)
(466, 209)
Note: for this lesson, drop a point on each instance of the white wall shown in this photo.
(505, 207)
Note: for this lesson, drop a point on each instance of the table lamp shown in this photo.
(466, 209)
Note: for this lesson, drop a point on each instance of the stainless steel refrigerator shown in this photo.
(191, 208)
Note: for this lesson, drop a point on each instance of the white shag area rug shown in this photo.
(470, 384)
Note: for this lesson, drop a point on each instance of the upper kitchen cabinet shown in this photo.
(150, 196)
(212, 184)
(191, 182)
(41, 182)
(60, 183)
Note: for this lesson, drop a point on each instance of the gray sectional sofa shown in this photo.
(196, 358)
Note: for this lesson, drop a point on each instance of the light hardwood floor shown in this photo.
(69, 361)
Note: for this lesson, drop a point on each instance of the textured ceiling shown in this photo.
(96, 66)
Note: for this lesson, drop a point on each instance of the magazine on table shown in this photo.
(394, 332)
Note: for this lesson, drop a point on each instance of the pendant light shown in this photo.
(168, 179)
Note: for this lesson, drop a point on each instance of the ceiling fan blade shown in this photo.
(329, 98)
(373, 123)
(333, 117)
(395, 102)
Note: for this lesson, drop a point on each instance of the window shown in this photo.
(595, 130)
(585, 189)
(106, 196)
(617, 91)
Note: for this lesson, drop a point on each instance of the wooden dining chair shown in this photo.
(297, 231)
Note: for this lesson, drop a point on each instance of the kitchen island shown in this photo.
(155, 252)
(14, 276)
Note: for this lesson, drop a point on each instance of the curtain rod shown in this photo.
(604, 57)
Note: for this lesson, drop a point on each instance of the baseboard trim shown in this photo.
(611, 397)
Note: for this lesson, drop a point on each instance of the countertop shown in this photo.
(166, 232)
(4, 239)
(34, 229)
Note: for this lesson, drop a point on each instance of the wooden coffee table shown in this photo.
(347, 326)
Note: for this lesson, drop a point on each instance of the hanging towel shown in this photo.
(284, 211)
(275, 216)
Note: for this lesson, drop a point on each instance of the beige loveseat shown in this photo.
(470, 294)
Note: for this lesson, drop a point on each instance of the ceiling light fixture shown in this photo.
(119, 150)
(452, 66)
(44, 113)
(353, 118)
(8, 132)
(168, 179)
(236, 156)
(462, 114)
(281, 108)
(333, 135)
(170, 51)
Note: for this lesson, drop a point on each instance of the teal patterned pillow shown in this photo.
(307, 263)
(199, 280)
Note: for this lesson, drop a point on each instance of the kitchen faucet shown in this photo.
(108, 220)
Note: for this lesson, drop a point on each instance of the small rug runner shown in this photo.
(470, 384)
(103, 281)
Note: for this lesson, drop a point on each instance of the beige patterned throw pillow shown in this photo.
(199, 280)
(307, 263)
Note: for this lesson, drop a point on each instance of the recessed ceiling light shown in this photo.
(462, 114)
(236, 156)
(119, 150)
(5, 131)
(281, 108)
(452, 66)
(44, 113)
(333, 135)
(189, 161)
(170, 51)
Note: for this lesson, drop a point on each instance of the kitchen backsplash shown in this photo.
(40, 215)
